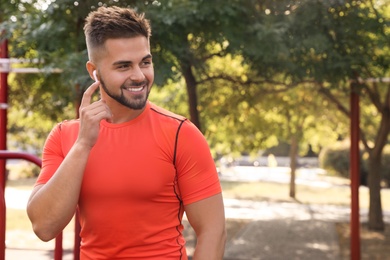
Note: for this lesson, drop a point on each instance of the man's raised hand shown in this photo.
(90, 116)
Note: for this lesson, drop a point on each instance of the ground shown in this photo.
(374, 244)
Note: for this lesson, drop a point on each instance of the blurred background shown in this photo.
(268, 82)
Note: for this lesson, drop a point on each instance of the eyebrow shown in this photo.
(122, 62)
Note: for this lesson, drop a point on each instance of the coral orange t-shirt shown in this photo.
(137, 179)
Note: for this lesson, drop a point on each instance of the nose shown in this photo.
(137, 74)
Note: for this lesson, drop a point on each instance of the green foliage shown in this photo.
(172, 97)
(335, 159)
(33, 112)
(317, 40)
(23, 170)
(240, 52)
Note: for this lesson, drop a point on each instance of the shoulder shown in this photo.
(62, 135)
(179, 124)
(66, 128)
(68, 125)
(165, 113)
(176, 120)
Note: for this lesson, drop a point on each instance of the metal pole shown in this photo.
(3, 110)
(58, 250)
(21, 155)
(3, 145)
(77, 239)
(354, 168)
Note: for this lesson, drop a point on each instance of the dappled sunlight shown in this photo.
(374, 244)
(312, 187)
(267, 210)
(254, 222)
(297, 240)
(319, 246)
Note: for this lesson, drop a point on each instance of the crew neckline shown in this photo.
(133, 121)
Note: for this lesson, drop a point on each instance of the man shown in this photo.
(130, 167)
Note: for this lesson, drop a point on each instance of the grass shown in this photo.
(22, 183)
(373, 244)
(17, 220)
(334, 195)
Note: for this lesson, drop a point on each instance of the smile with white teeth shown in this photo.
(135, 89)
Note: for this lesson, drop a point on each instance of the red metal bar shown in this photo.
(3, 110)
(354, 168)
(12, 155)
(2, 228)
(17, 155)
(77, 239)
(3, 144)
(58, 251)
(21, 155)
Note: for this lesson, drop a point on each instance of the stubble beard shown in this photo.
(136, 103)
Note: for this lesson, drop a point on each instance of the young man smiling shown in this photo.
(130, 167)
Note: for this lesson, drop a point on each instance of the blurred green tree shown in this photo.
(228, 54)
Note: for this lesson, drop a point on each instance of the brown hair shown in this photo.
(112, 23)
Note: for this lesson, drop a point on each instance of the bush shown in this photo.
(335, 159)
(23, 170)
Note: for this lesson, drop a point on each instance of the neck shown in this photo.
(122, 114)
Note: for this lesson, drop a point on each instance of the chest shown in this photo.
(128, 164)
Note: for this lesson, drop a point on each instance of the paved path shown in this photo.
(281, 239)
(279, 231)
(283, 231)
(275, 231)
(304, 176)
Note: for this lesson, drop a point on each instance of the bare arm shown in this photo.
(52, 205)
(207, 218)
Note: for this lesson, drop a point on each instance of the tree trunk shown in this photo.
(375, 215)
(192, 94)
(293, 164)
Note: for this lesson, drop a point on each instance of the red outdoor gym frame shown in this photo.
(58, 251)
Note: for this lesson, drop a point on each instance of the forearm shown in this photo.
(210, 246)
(52, 205)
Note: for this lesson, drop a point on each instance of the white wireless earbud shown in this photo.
(94, 75)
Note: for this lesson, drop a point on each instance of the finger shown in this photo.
(89, 112)
(102, 114)
(87, 96)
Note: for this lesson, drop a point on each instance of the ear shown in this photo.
(90, 68)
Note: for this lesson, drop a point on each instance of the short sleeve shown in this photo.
(57, 145)
(197, 175)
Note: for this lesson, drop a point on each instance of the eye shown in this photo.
(146, 63)
(123, 66)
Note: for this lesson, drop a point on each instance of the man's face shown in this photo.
(126, 71)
